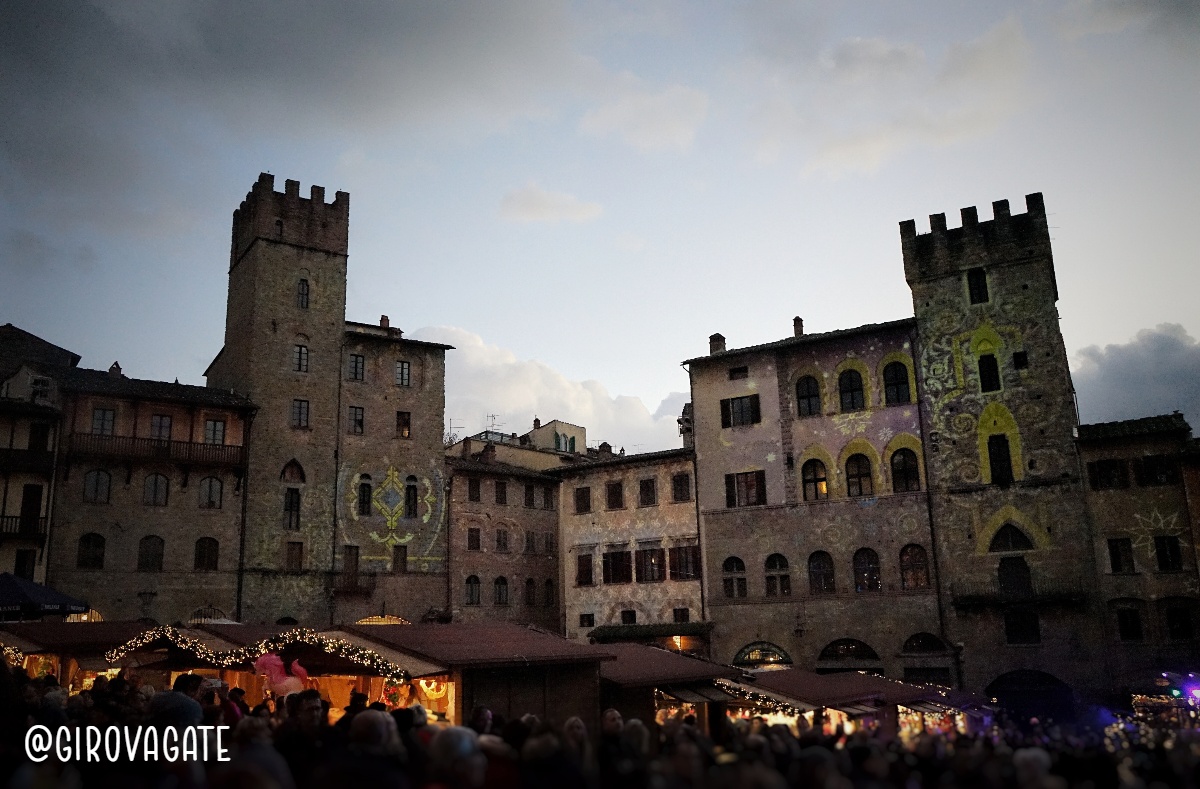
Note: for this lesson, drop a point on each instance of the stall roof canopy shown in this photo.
(640, 665)
(852, 689)
(608, 634)
(238, 634)
(479, 644)
(27, 597)
(71, 639)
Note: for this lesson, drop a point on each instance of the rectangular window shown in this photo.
(651, 565)
(295, 557)
(681, 487)
(473, 540)
(291, 509)
(1120, 555)
(1020, 360)
(977, 285)
(501, 492)
(399, 559)
(685, 563)
(26, 563)
(583, 500)
(1022, 627)
(614, 495)
(682, 615)
(587, 620)
(104, 421)
(549, 543)
(356, 420)
(738, 373)
(989, 373)
(618, 567)
(1129, 624)
(1180, 623)
(214, 431)
(403, 374)
(647, 493)
(1000, 460)
(746, 489)
(547, 497)
(530, 495)
(404, 424)
(358, 367)
(1156, 470)
(473, 489)
(530, 542)
(1170, 558)
(502, 540)
(302, 294)
(300, 358)
(299, 413)
(737, 411)
(629, 617)
(160, 427)
(583, 570)
(1109, 474)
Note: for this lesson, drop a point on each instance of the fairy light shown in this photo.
(339, 647)
(759, 700)
(13, 655)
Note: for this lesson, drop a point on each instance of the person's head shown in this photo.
(237, 695)
(310, 710)
(404, 719)
(358, 702)
(574, 730)
(481, 719)
(635, 733)
(188, 685)
(252, 730)
(420, 717)
(455, 758)
(611, 722)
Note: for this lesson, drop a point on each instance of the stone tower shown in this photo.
(283, 343)
(999, 418)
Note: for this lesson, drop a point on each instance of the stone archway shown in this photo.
(1027, 693)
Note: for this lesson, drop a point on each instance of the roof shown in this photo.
(103, 382)
(374, 331)
(18, 346)
(480, 644)
(810, 339)
(21, 594)
(495, 468)
(608, 634)
(239, 634)
(1131, 428)
(682, 453)
(639, 665)
(69, 638)
(852, 688)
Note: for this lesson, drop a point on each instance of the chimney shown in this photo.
(115, 370)
(605, 449)
(798, 326)
(489, 453)
(466, 448)
(536, 423)
(716, 344)
(383, 322)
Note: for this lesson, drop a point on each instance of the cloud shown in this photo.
(1176, 20)
(853, 106)
(1155, 373)
(485, 379)
(28, 252)
(646, 119)
(532, 203)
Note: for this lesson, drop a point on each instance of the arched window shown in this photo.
(779, 581)
(858, 476)
(91, 552)
(761, 653)
(866, 571)
(850, 387)
(1014, 578)
(816, 483)
(210, 493)
(96, 486)
(808, 396)
(292, 472)
(155, 489)
(734, 582)
(530, 592)
(1010, 538)
(207, 550)
(150, 554)
(502, 540)
(549, 596)
(500, 591)
(364, 495)
(895, 384)
(921, 643)
(410, 497)
(820, 573)
(287, 621)
(302, 294)
(914, 567)
(906, 475)
(848, 649)
(473, 596)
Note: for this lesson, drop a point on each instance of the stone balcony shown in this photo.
(129, 448)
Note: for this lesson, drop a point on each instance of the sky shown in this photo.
(576, 195)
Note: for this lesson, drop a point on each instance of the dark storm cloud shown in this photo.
(1157, 373)
(99, 98)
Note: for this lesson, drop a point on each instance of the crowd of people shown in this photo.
(292, 745)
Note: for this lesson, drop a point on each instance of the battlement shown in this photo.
(286, 217)
(1004, 238)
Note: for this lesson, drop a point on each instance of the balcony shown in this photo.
(29, 460)
(344, 583)
(129, 448)
(989, 594)
(21, 527)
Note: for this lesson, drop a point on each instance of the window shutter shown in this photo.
(1093, 476)
(726, 417)
(730, 490)
(760, 485)
(755, 414)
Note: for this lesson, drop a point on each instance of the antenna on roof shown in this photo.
(492, 423)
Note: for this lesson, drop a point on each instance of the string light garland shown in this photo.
(241, 656)
(13, 655)
(759, 700)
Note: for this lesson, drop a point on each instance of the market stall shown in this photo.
(73, 652)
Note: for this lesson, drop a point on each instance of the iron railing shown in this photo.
(97, 445)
